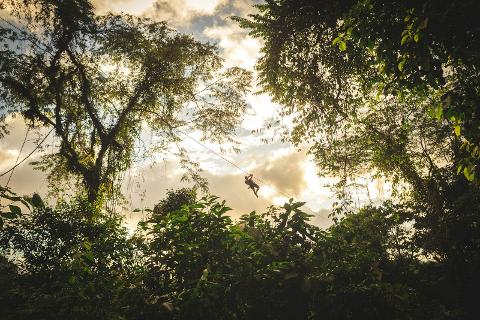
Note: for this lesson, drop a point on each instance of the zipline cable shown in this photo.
(28, 155)
(263, 182)
(232, 163)
(18, 157)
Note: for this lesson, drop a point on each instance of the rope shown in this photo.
(232, 163)
(262, 182)
(18, 157)
(28, 155)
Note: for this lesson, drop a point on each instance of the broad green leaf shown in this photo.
(37, 201)
(9, 215)
(401, 64)
(457, 130)
(438, 112)
(15, 210)
(469, 172)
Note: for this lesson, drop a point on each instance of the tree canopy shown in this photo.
(376, 88)
(98, 81)
(385, 86)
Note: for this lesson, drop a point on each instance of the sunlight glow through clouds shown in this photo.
(240, 50)
(172, 9)
(202, 6)
(279, 200)
(277, 164)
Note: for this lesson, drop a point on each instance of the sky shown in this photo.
(282, 169)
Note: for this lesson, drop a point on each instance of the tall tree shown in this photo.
(389, 87)
(365, 81)
(99, 80)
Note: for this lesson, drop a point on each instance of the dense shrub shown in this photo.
(195, 262)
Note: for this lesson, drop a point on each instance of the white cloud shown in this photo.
(206, 7)
(174, 11)
(239, 49)
(134, 7)
(181, 12)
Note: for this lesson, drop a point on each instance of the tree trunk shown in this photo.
(92, 183)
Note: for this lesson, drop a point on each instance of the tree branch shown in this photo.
(85, 96)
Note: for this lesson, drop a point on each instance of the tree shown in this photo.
(365, 79)
(389, 88)
(174, 201)
(98, 81)
(206, 266)
(195, 262)
(52, 267)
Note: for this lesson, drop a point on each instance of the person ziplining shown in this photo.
(251, 184)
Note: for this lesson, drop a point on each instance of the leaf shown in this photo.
(26, 203)
(89, 256)
(204, 276)
(405, 38)
(87, 245)
(457, 130)
(15, 210)
(401, 64)
(424, 24)
(142, 225)
(342, 46)
(438, 112)
(297, 205)
(417, 37)
(9, 215)
(37, 201)
(469, 172)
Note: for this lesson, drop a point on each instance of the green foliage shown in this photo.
(389, 89)
(206, 266)
(174, 201)
(361, 79)
(16, 203)
(195, 262)
(62, 264)
(379, 87)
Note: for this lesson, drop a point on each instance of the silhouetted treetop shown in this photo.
(99, 80)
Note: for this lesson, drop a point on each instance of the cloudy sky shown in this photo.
(281, 169)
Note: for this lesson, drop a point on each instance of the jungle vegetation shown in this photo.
(384, 88)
